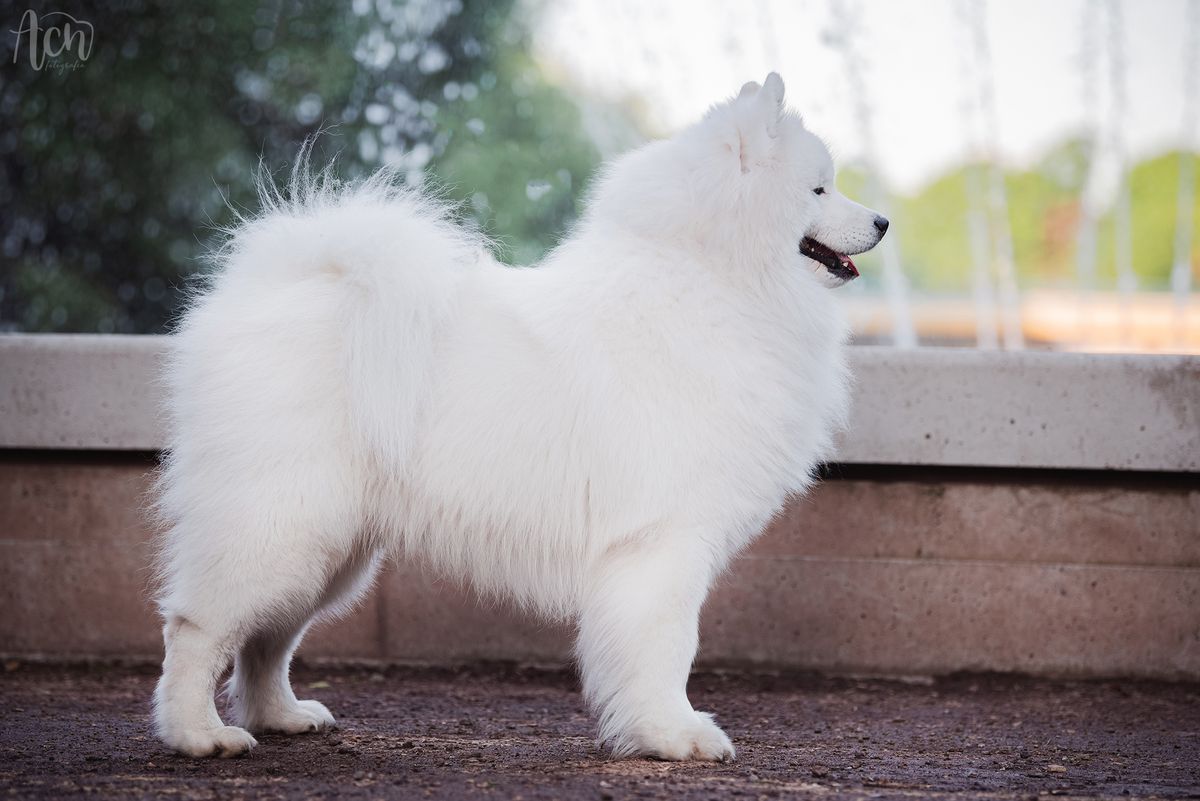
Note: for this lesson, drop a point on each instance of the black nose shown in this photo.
(881, 224)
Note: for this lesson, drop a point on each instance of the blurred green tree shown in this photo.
(118, 175)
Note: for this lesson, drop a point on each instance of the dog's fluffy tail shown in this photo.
(376, 265)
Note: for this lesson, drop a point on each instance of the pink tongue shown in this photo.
(848, 263)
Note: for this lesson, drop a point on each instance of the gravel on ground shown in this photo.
(507, 732)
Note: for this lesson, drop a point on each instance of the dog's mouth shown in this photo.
(839, 265)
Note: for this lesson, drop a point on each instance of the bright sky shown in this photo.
(914, 57)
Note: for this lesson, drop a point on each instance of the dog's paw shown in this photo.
(305, 717)
(697, 739)
(223, 741)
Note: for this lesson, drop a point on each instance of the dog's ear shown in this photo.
(772, 88)
(758, 111)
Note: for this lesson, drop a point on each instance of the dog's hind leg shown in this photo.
(638, 634)
(259, 692)
(251, 557)
(252, 603)
(185, 713)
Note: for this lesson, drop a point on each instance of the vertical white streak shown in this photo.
(1123, 213)
(982, 289)
(1006, 271)
(1181, 270)
(1085, 246)
(895, 284)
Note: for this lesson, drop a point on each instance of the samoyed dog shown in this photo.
(594, 438)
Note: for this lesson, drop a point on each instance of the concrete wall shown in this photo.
(967, 554)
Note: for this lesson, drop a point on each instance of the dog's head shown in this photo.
(750, 184)
(786, 166)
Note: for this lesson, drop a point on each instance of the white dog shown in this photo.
(594, 438)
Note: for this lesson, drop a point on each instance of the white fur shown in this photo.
(594, 438)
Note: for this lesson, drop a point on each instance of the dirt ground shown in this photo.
(501, 732)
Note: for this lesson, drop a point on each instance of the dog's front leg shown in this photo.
(638, 635)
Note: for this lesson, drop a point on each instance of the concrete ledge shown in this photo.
(896, 571)
(919, 407)
(1028, 409)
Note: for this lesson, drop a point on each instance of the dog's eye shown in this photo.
(820, 190)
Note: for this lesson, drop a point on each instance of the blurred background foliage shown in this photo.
(117, 176)
(1044, 212)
